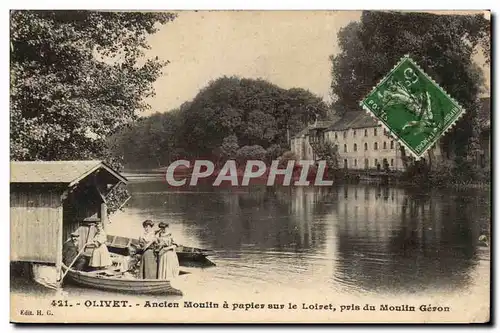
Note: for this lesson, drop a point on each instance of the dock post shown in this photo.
(59, 244)
(104, 215)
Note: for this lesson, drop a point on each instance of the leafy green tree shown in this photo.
(254, 152)
(77, 77)
(227, 150)
(150, 142)
(229, 146)
(443, 45)
(256, 111)
(298, 108)
(227, 114)
(274, 151)
(261, 128)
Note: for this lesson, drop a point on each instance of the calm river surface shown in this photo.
(353, 239)
(308, 243)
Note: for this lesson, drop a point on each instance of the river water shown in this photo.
(354, 241)
(352, 238)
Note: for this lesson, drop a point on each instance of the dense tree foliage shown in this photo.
(443, 45)
(150, 141)
(76, 77)
(230, 118)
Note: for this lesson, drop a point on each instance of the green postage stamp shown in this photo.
(414, 108)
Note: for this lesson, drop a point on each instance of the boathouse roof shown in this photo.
(63, 172)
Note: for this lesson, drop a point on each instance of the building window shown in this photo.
(355, 147)
(375, 162)
(385, 145)
(336, 148)
(335, 135)
(375, 146)
(345, 163)
(392, 162)
(354, 133)
(367, 163)
(345, 134)
(366, 132)
(355, 162)
(345, 148)
(375, 132)
(392, 144)
(366, 146)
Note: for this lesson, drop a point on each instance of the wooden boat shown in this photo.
(120, 282)
(122, 245)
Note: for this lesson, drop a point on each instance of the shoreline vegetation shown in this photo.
(341, 177)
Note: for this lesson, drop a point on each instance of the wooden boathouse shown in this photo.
(51, 199)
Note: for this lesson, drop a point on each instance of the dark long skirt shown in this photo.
(148, 265)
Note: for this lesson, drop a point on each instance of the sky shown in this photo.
(287, 48)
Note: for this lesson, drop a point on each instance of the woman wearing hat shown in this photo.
(100, 257)
(168, 263)
(147, 242)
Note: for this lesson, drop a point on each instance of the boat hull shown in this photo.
(122, 284)
(121, 245)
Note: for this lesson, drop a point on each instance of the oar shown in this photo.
(73, 262)
(58, 286)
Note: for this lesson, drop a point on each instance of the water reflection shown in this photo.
(393, 240)
(354, 237)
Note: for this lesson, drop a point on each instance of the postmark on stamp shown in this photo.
(412, 107)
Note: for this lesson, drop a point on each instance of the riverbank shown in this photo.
(357, 177)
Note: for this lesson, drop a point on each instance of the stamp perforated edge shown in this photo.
(388, 130)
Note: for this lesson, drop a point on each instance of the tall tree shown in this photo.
(150, 142)
(443, 45)
(76, 77)
(228, 115)
(256, 111)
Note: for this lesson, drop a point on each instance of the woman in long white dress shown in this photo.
(100, 257)
(168, 263)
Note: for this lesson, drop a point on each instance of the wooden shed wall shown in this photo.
(35, 218)
(83, 203)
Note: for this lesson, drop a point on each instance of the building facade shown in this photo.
(300, 145)
(361, 143)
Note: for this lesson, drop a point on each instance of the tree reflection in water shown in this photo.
(399, 240)
(368, 237)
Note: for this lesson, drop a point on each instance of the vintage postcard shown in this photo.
(250, 166)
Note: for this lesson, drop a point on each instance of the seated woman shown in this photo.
(100, 257)
(147, 242)
(168, 263)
